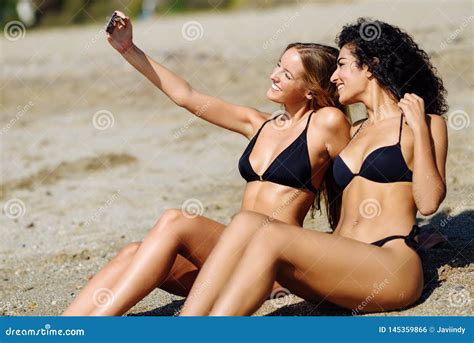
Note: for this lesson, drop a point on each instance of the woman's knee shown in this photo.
(267, 240)
(245, 216)
(246, 223)
(169, 223)
(128, 251)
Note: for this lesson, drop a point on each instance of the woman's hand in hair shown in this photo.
(413, 108)
(121, 37)
(430, 148)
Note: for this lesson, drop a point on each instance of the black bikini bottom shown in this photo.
(409, 240)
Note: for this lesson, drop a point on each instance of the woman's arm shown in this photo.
(236, 118)
(336, 129)
(429, 155)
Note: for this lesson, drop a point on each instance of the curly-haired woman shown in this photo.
(393, 168)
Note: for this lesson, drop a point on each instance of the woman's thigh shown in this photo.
(347, 272)
(197, 237)
(194, 235)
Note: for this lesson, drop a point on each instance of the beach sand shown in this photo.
(92, 153)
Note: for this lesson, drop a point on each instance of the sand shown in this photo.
(92, 153)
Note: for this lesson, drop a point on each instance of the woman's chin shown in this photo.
(272, 96)
(345, 101)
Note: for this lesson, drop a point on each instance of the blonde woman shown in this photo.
(284, 165)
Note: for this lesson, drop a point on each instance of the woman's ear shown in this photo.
(367, 73)
(309, 95)
(375, 61)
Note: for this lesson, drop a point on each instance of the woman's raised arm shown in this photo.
(429, 157)
(241, 119)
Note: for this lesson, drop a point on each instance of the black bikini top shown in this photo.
(385, 165)
(290, 168)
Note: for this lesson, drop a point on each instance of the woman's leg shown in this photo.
(344, 271)
(221, 263)
(98, 291)
(179, 281)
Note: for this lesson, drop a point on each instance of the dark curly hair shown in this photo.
(395, 60)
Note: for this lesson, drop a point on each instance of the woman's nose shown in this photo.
(334, 77)
(274, 77)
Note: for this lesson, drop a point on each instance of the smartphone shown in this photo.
(110, 26)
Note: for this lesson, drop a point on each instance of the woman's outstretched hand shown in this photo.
(121, 37)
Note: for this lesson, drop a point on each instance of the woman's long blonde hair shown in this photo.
(319, 62)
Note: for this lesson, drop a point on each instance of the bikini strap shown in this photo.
(266, 121)
(411, 241)
(401, 126)
(273, 118)
(358, 129)
(309, 118)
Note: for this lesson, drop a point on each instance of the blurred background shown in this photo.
(91, 153)
(42, 13)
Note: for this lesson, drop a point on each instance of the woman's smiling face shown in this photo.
(350, 79)
(288, 86)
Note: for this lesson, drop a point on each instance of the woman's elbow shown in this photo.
(182, 96)
(430, 206)
(181, 99)
(427, 210)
